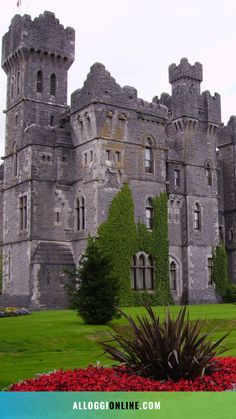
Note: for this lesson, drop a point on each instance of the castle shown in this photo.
(64, 164)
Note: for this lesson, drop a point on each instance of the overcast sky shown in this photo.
(138, 39)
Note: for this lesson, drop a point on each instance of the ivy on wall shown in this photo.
(120, 239)
(117, 238)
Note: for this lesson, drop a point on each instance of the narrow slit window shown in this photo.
(80, 214)
(173, 276)
(197, 217)
(149, 214)
(39, 82)
(53, 85)
(210, 271)
(176, 178)
(23, 212)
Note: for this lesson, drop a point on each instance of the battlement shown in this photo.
(101, 86)
(185, 70)
(44, 35)
(212, 105)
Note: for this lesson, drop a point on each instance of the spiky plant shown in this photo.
(173, 349)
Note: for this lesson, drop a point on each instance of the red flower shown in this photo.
(118, 379)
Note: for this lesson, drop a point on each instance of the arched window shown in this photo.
(149, 278)
(148, 156)
(15, 160)
(173, 275)
(209, 174)
(197, 217)
(142, 272)
(53, 84)
(39, 82)
(80, 214)
(149, 214)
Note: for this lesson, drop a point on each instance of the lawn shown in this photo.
(50, 340)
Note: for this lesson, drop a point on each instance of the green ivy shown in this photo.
(117, 238)
(120, 239)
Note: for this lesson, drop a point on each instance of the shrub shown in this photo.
(94, 287)
(220, 275)
(173, 350)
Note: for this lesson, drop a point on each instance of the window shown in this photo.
(23, 212)
(91, 156)
(149, 214)
(148, 160)
(117, 156)
(39, 82)
(148, 156)
(80, 214)
(53, 85)
(176, 178)
(142, 272)
(197, 217)
(173, 275)
(108, 154)
(231, 234)
(15, 160)
(51, 120)
(209, 174)
(210, 270)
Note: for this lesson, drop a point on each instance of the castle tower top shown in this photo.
(185, 71)
(44, 35)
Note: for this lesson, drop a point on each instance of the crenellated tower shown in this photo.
(194, 120)
(36, 56)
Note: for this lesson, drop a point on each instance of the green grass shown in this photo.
(49, 340)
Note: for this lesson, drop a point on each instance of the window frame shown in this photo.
(53, 85)
(148, 156)
(39, 81)
(142, 269)
(210, 281)
(23, 213)
(197, 217)
(149, 209)
(80, 213)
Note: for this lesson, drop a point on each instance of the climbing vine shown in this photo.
(117, 238)
(120, 238)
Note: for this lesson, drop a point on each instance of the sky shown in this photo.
(137, 40)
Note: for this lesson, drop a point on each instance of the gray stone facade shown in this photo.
(64, 164)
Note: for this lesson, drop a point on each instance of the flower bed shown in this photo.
(13, 311)
(118, 379)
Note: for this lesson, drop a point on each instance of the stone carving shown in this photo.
(113, 178)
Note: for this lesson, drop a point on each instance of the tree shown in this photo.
(94, 287)
(220, 269)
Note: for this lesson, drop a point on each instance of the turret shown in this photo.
(185, 80)
(36, 55)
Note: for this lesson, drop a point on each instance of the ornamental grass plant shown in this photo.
(174, 349)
